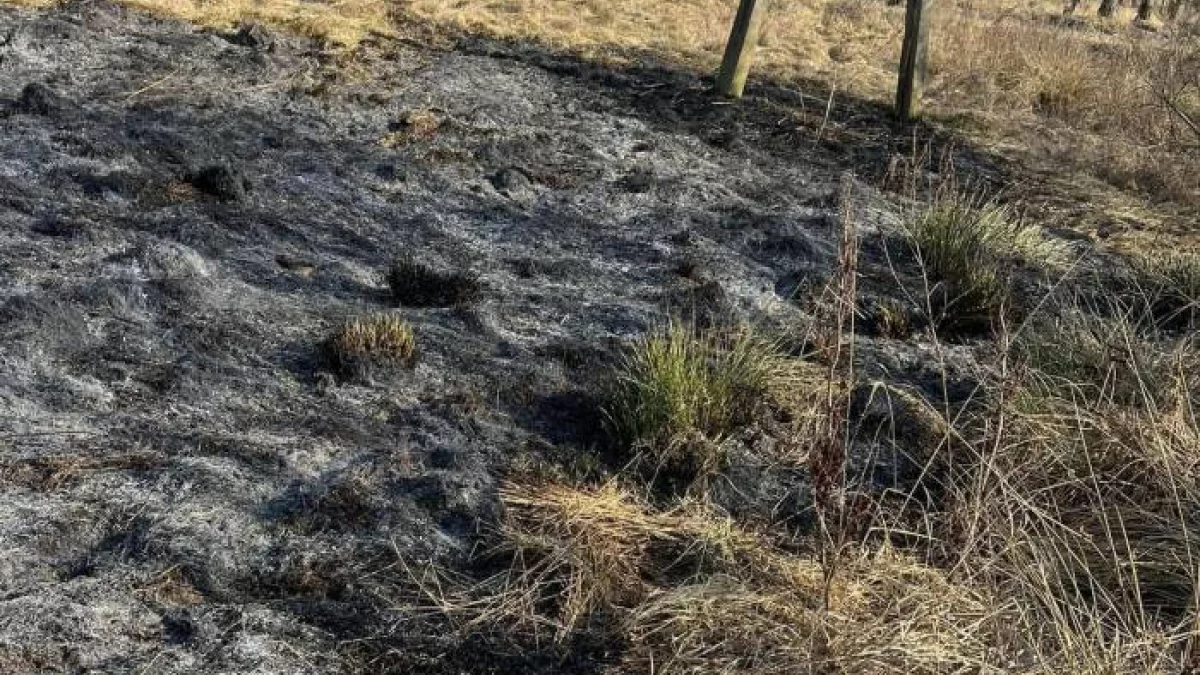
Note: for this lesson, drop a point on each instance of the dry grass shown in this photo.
(1171, 283)
(376, 339)
(888, 614)
(1077, 97)
(1083, 514)
(338, 22)
(692, 592)
(590, 546)
(1116, 359)
(1072, 496)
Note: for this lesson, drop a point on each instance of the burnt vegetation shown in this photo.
(771, 387)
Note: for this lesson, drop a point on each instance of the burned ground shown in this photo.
(186, 217)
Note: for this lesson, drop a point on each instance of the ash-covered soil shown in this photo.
(186, 216)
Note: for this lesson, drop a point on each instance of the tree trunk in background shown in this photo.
(1143, 10)
(914, 57)
(743, 40)
(1107, 7)
(1173, 7)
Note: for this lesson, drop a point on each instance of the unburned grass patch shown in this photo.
(368, 343)
(685, 590)
(967, 248)
(1171, 284)
(888, 614)
(679, 392)
(344, 23)
(1121, 358)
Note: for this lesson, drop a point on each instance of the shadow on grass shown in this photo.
(802, 120)
(793, 120)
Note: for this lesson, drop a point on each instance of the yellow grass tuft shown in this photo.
(382, 337)
(590, 545)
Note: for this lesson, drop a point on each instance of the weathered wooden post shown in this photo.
(740, 50)
(913, 59)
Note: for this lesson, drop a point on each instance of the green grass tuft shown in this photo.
(1172, 284)
(678, 393)
(968, 247)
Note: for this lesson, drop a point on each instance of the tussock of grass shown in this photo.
(1171, 281)
(589, 545)
(890, 319)
(415, 284)
(966, 246)
(1118, 359)
(376, 339)
(679, 392)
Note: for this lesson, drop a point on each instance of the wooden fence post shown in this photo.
(913, 57)
(740, 50)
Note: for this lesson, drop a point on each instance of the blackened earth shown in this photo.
(185, 217)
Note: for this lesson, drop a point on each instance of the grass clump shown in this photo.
(968, 247)
(414, 284)
(1119, 359)
(366, 343)
(588, 546)
(1171, 281)
(678, 393)
(890, 318)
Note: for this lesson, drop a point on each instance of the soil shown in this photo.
(187, 215)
